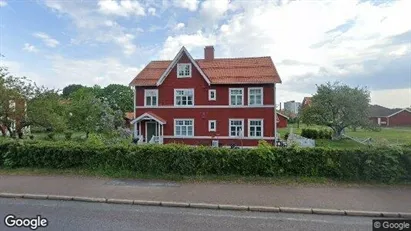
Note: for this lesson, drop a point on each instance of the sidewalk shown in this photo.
(369, 198)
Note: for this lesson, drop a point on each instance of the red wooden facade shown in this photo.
(203, 109)
(401, 118)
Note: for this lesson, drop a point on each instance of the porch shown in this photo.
(149, 129)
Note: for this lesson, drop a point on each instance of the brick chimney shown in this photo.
(209, 53)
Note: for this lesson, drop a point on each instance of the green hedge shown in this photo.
(316, 134)
(378, 164)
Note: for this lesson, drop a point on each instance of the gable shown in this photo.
(182, 55)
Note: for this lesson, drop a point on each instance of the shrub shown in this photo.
(316, 134)
(50, 136)
(367, 164)
(68, 135)
(286, 136)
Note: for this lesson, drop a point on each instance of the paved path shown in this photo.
(387, 198)
(64, 215)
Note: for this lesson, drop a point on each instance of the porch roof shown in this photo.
(149, 115)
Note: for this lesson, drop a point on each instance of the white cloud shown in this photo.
(191, 5)
(392, 98)
(123, 8)
(90, 72)
(151, 11)
(49, 41)
(30, 48)
(3, 3)
(173, 44)
(94, 27)
(179, 26)
(126, 41)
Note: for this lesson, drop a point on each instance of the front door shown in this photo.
(151, 130)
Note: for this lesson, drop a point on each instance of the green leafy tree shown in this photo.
(338, 106)
(48, 111)
(14, 93)
(118, 96)
(89, 114)
(68, 90)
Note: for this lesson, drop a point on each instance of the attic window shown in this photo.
(184, 70)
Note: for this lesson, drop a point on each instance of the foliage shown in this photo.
(316, 133)
(366, 164)
(89, 114)
(68, 135)
(338, 106)
(119, 97)
(68, 90)
(47, 111)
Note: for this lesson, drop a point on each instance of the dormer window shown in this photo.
(184, 70)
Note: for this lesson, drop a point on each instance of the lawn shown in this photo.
(386, 135)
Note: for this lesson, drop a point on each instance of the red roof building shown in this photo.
(210, 101)
(387, 117)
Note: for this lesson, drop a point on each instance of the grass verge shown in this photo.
(230, 179)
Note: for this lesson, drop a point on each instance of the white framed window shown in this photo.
(236, 96)
(184, 70)
(255, 128)
(150, 97)
(184, 127)
(212, 94)
(236, 127)
(212, 125)
(214, 143)
(255, 96)
(183, 97)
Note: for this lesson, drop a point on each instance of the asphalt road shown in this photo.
(69, 215)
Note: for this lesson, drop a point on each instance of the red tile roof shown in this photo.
(258, 70)
(129, 115)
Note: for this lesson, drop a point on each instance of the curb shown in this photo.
(355, 213)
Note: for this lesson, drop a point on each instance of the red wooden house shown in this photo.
(386, 117)
(210, 101)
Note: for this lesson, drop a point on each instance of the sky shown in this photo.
(359, 43)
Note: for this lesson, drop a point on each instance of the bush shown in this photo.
(316, 134)
(68, 135)
(366, 164)
(50, 136)
(286, 136)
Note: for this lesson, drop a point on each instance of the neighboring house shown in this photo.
(282, 120)
(306, 102)
(292, 107)
(210, 101)
(128, 117)
(17, 111)
(387, 117)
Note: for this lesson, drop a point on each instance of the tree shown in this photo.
(89, 114)
(68, 90)
(338, 106)
(14, 93)
(48, 111)
(119, 97)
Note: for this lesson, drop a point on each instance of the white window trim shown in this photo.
(175, 130)
(262, 95)
(184, 76)
(262, 127)
(145, 97)
(209, 95)
(183, 89)
(229, 127)
(215, 125)
(242, 96)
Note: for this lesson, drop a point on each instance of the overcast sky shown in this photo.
(361, 43)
